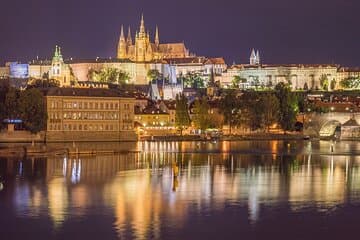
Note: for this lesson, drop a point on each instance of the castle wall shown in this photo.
(37, 71)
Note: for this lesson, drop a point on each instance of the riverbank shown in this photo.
(245, 137)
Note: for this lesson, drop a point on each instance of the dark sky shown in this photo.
(285, 31)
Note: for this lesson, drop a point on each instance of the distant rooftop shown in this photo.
(88, 92)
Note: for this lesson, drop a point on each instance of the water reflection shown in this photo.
(159, 190)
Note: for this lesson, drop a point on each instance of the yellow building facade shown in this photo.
(79, 114)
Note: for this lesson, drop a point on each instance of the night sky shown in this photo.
(285, 31)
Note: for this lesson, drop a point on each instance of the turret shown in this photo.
(257, 57)
(122, 45)
(253, 57)
(142, 27)
(157, 41)
(129, 39)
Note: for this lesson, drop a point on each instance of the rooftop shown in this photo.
(88, 92)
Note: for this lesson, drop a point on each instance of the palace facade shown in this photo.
(299, 76)
(83, 114)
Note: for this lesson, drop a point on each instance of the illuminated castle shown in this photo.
(144, 50)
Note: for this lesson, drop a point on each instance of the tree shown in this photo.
(324, 82)
(43, 83)
(182, 118)
(333, 84)
(236, 81)
(313, 83)
(109, 75)
(193, 80)
(153, 74)
(11, 103)
(45, 75)
(350, 83)
(92, 74)
(250, 110)
(123, 77)
(270, 105)
(32, 110)
(229, 108)
(201, 114)
(306, 87)
(216, 120)
(288, 106)
(4, 88)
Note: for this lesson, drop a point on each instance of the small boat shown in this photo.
(306, 138)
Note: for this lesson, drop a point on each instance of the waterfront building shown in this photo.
(154, 120)
(85, 114)
(350, 130)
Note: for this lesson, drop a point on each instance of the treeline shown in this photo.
(26, 105)
(252, 109)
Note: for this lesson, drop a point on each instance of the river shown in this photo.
(223, 190)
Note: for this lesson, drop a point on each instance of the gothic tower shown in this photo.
(122, 45)
(157, 41)
(257, 57)
(129, 39)
(57, 63)
(142, 44)
(253, 57)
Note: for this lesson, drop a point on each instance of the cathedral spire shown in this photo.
(129, 39)
(257, 57)
(121, 52)
(142, 26)
(122, 36)
(157, 41)
(253, 57)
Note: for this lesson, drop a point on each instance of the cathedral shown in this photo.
(143, 50)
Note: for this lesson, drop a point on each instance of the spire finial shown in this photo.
(122, 36)
(157, 40)
(142, 25)
(129, 38)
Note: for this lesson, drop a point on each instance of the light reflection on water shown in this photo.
(137, 196)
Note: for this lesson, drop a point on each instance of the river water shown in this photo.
(223, 190)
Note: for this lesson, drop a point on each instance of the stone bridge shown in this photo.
(324, 124)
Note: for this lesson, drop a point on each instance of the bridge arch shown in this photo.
(328, 128)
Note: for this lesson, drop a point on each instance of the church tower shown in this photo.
(59, 70)
(121, 53)
(57, 63)
(142, 44)
(253, 57)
